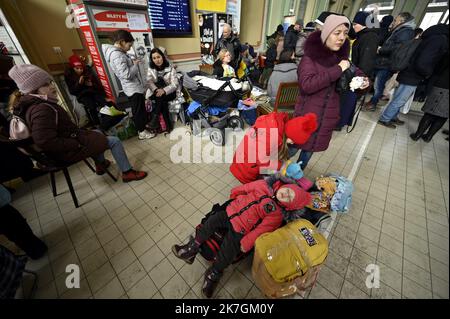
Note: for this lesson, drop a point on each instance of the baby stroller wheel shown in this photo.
(235, 122)
(217, 137)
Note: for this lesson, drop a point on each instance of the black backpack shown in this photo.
(402, 57)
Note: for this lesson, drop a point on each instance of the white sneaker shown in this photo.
(146, 135)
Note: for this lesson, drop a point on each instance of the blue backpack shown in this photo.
(342, 198)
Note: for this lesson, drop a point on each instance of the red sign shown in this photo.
(93, 50)
(112, 16)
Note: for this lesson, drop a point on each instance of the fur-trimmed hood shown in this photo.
(318, 52)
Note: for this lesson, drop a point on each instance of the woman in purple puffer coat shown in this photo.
(326, 58)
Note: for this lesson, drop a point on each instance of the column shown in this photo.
(321, 5)
(309, 13)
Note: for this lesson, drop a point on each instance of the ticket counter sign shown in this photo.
(111, 20)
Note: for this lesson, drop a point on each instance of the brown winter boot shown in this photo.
(212, 278)
(186, 252)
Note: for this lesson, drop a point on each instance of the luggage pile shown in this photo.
(287, 261)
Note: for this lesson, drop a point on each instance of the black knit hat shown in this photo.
(309, 27)
(323, 16)
(361, 18)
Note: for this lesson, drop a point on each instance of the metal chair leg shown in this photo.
(52, 180)
(69, 183)
(111, 175)
(106, 170)
(89, 165)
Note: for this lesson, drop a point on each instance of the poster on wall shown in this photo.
(212, 5)
(206, 26)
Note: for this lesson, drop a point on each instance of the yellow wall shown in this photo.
(252, 19)
(40, 25)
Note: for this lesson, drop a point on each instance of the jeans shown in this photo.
(304, 157)
(382, 76)
(118, 152)
(401, 96)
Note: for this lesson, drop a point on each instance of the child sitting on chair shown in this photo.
(253, 209)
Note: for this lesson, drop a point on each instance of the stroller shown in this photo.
(216, 109)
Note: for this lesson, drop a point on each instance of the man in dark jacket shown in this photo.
(278, 32)
(430, 51)
(295, 39)
(365, 46)
(402, 31)
(230, 42)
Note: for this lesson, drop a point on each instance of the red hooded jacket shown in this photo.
(247, 169)
(258, 151)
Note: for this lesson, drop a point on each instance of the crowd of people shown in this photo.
(322, 57)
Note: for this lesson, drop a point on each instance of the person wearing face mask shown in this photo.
(131, 78)
(163, 84)
(84, 84)
(326, 58)
(253, 209)
(53, 131)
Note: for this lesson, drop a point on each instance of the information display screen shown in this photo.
(170, 18)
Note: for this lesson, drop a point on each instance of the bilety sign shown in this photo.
(106, 19)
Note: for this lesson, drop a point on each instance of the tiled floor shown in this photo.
(122, 234)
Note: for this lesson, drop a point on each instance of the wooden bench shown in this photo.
(285, 101)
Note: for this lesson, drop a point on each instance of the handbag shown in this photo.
(343, 84)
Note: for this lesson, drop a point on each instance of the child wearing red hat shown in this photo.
(84, 84)
(253, 209)
(272, 134)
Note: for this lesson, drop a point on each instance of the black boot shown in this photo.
(436, 125)
(16, 229)
(212, 278)
(414, 137)
(424, 124)
(186, 252)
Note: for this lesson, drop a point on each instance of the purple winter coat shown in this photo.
(317, 75)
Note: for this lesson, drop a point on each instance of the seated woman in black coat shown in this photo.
(84, 84)
(222, 67)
